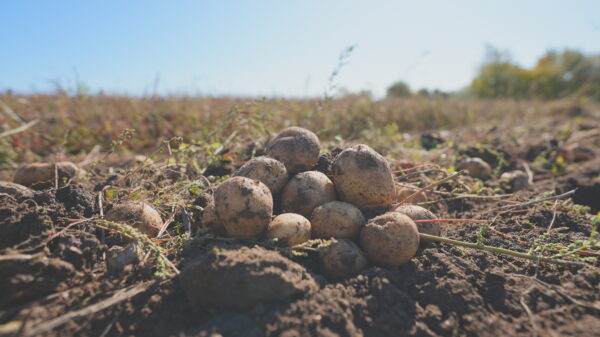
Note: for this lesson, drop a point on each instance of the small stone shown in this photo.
(514, 180)
(476, 167)
(119, 257)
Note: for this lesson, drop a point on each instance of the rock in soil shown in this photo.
(237, 278)
(119, 257)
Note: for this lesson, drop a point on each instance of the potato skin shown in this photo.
(137, 214)
(419, 213)
(245, 207)
(290, 228)
(363, 178)
(337, 219)
(269, 171)
(390, 240)
(404, 191)
(305, 191)
(476, 167)
(43, 173)
(341, 259)
(15, 190)
(297, 148)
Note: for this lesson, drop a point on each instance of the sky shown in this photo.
(275, 48)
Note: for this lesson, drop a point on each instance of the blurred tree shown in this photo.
(399, 89)
(556, 75)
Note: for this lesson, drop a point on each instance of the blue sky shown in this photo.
(275, 48)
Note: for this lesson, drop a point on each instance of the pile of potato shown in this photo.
(310, 205)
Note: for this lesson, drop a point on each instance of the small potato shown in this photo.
(403, 191)
(297, 148)
(138, 215)
(363, 178)
(390, 240)
(209, 218)
(419, 213)
(515, 180)
(290, 229)
(269, 171)
(305, 191)
(341, 259)
(476, 167)
(15, 190)
(43, 174)
(337, 219)
(245, 207)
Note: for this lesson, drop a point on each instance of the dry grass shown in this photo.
(72, 125)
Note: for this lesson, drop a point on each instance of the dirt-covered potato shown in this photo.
(337, 219)
(390, 239)
(476, 167)
(514, 180)
(305, 191)
(45, 173)
(269, 171)
(138, 215)
(290, 229)
(297, 148)
(341, 259)
(363, 178)
(209, 218)
(244, 205)
(403, 191)
(15, 190)
(419, 213)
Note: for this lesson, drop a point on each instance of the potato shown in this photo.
(269, 171)
(405, 190)
(363, 178)
(209, 218)
(290, 229)
(138, 215)
(515, 180)
(476, 167)
(297, 148)
(305, 191)
(245, 206)
(15, 190)
(341, 259)
(44, 173)
(390, 240)
(337, 219)
(419, 213)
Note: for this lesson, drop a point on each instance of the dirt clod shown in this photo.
(240, 277)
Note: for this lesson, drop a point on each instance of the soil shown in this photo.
(48, 270)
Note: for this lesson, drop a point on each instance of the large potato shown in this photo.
(297, 148)
(290, 229)
(390, 240)
(15, 190)
(419, 213)
(305, 191)
(337, 219)
(245, 206)
(45, 173)
(341, 259)
(363, 178)
(269, 171)
(138, 215)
